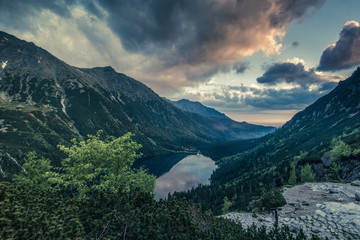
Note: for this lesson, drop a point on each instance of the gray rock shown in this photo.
(350, 169)
(315, 230)
(326, 159)
(356, 183)
(318, 170)
(357, 196)
(333, 190)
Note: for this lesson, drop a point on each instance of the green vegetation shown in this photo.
(270, 199)
(226, 205)
(292, 177)
(307, 174)
(340, 150)
(97, 195)
(92, 165)
(96, 165)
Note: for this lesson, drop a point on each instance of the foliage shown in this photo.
(271, 199)
(226, 205)
(307, 174)
(339, 150)
(35, 213)
(91, 166)
(96, 165)
(292, 177)
(37, 172)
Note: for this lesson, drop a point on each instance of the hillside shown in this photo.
(197, 107)
(44, 102)
(305, 138)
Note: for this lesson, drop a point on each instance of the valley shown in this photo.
(51, 113)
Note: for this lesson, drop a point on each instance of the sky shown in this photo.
(259, 61)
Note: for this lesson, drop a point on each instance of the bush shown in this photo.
(307, 174)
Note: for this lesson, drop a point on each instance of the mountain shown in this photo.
(196, 107)
(45, 102)
(265, 162)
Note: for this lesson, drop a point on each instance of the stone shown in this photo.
(333, 190)
(357, 196)
(325, 159)
(318, 170)
(356, 183)
(305, 203)
(315, 230)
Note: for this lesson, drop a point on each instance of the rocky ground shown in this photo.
(329, 209)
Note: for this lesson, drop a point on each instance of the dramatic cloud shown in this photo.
(295, 73)
(257, 98)
(189, 40)
(198, 38)
(285, 99)
(345, 53)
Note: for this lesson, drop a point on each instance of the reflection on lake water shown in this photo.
(184, 175)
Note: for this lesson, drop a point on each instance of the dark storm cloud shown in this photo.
(262, 99)
(292, 9)
(284, 99)
(295, 44)
(16, 13)
(288, 72)
(192, 39)
(195, 29)
(345, 53)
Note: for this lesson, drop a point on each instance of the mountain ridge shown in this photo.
(199, 108)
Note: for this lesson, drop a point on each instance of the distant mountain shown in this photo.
(44, 102)
(197, 107)
(265, 162)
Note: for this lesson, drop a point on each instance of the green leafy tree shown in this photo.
(339, 150)
(96, 165)
(37, 172)
(292, 178)
(226, 205)
(307, 174)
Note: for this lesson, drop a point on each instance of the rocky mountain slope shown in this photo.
(254, 131)
(44, 102)
(197, 107)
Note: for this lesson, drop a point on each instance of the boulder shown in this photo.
(326, 159)
(357, 196)
(350, 169)
(356, 183)
(318, 170)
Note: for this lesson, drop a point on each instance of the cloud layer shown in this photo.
(189, 40)
(345, 53)
(295, 73)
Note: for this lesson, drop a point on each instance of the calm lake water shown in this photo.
(185, 174)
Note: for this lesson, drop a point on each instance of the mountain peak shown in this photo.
(199, 108)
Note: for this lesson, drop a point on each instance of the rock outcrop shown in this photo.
(329, 209)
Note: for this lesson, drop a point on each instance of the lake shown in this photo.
(185, 174)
